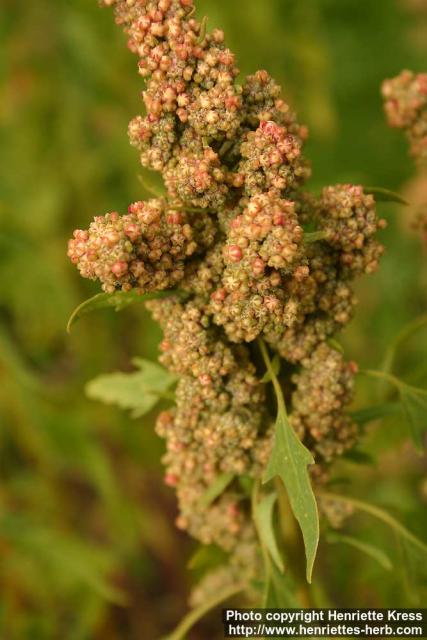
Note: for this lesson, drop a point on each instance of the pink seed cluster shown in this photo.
(235, 232)
(145, 249)
(405, 104)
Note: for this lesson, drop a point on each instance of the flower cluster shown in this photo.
(405, 104)
(256, 257)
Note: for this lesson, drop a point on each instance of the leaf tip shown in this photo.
(310, 567)
(268, 475)
(70, 322)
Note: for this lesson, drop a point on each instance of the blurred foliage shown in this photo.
(87, 543)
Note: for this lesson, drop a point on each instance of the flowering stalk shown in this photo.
(230, 232)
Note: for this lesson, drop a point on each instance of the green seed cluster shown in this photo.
(405, 104)
(348, 217)
(324, 387)
(235, 232)
(218, 424)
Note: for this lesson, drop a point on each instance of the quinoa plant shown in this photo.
(251, 277)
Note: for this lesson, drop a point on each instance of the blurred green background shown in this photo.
(88, 548)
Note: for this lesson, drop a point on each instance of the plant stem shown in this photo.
(151, 188)
(274, 380)
(382, 375)
(202, 34)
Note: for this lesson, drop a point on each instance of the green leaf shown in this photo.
(375, 553)
(139, 391)
(276, 365)
(289, 460)
(216, 488)
(414, 402)
(263, 515)
(385, 195)
(369, 414)
(401, 531)
(117, 300)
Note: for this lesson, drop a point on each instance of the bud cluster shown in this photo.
(233, 232)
